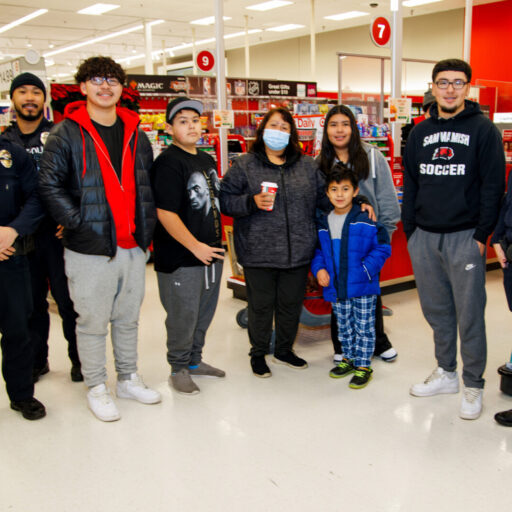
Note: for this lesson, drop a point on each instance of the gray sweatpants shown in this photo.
(189, 295)
(106, 290)
(450, 276)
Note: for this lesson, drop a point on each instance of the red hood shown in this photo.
(77, 111)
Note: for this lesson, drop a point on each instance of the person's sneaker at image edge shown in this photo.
(361, 378)
(259, 367)
(471, 405)
(31, 409)
(205, 370)
(438, 382)
(181, 382)
(135, 389)
(102, 404)
(344, 368)
(291, 360)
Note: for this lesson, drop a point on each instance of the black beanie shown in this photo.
(27, 79)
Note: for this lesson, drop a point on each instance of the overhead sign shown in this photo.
(205, 60)
(380, 31)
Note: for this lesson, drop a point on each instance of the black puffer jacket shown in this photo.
(286, 236)
(75, 196)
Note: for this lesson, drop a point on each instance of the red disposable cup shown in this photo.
(271, 188)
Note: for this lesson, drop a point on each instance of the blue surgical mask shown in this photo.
(275, 139)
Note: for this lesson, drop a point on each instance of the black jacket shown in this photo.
(454, 174)
(20, 207)
(286, 236)
(75, 196)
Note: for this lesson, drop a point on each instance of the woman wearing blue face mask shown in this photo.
(274, 234)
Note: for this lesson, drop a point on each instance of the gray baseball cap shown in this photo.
(181, 103)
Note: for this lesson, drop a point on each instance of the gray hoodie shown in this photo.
(380, 190)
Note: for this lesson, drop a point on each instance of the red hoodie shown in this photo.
(120, 195)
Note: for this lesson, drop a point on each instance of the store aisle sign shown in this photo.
(157, 84)
(205, 60)
(399, 110)
(223, 119)
(380, 32)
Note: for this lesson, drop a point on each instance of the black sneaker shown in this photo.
(344, 368)
(76, 373)
(291, 360)
(360, 378)
(31, 409)
(259, 367)
(38, 372)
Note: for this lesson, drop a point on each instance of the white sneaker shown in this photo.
(135, 389)
(388, 355)
(471, 406)
(102, 404)
(436, 383)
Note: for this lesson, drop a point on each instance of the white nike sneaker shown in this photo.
(102, 404)
(438, 382)
(135, 389)
(471, 405)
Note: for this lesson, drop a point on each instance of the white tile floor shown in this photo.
(298, 441)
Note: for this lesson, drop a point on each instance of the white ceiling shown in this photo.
(62, 26)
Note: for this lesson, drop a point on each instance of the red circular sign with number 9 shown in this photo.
(205, 60)
(380, 31)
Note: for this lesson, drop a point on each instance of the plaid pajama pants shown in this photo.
(356, 328)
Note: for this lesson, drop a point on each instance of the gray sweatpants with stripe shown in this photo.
(189, 295)
(450, 276)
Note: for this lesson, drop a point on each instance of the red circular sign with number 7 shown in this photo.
(205, 60)
(380, 31)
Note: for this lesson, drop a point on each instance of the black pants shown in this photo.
(274, 291)
(47, 268)
(15, 309)
(382, 342)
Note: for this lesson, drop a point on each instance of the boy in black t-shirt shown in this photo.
(188, 249)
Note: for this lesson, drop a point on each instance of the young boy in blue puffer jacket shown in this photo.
(352, 250)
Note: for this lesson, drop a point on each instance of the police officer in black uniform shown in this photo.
(31, 129)
(20, 213)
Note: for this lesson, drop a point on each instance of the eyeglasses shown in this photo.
(98, 80)
(456, 84)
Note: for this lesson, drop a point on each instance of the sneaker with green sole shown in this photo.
(360, 378)
(342, 369)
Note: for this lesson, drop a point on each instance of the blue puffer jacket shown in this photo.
(364, 250)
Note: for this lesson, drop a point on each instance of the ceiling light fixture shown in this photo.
(98, 9)
(266, 6)
(346, 15)
(414, 3)
(238, 34)
(207, 21)
(29, 17)
(284, 28)
(184, 46)
(100, 38)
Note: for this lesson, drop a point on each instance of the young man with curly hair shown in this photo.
(94, 179)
